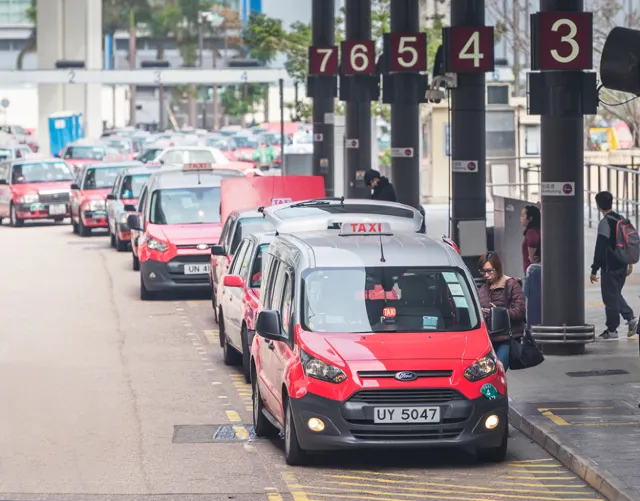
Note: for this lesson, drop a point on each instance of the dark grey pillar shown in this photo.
(322, 27)
(468, 143)
(358, 118)
(405, 118)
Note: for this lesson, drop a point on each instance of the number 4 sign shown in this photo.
(468, 49)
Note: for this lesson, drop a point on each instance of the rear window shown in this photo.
(301, 212)
(86, 152)
(248, 226)
(387, 299)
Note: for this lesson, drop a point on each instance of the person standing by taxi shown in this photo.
(381, 188)
(531, 252)
(501, 291)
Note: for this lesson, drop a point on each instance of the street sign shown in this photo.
(468, 49)
(562, 41)
(464, 166)
(402, 152)
(407, 52)
(352, 143)
(358, 57)
(558, 189)
(318, 138)
(323, 60)
(324, 162)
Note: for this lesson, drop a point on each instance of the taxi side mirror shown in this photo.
(218, 250)
(233, 281)
(111, 196)
(75, 186)
(133, 222)
(499, 321)
(269, 326)
(3, 181)
(129, 208)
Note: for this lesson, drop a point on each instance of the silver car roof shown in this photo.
(321, 214)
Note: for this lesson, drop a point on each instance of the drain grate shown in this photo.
(606, 372)
(212, 433)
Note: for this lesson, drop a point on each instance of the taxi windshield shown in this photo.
(186, 206)
(150, 154)
(85, 152)
(120, 145)
(41, 172)
(246, 141)
(325, 208)
(387, 299)
(248, 226)
(132, 186)
(102, 178)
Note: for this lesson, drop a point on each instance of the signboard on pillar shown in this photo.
(562, 41)
(407, 52)
(323, 60)
(468, 49)
(358, 57)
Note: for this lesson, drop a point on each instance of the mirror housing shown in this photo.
(269, 325)
(133, 222)
(129, 208)
(233, 281)
(3, 181)
(499, 321)
(218, 250)
(111, 196)
(75, 186)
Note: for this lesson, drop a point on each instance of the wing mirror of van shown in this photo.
(75, 186)
(499, 321)
(3, 181)
(111, 196)
(133, 222)
(233, 281)
(130, 208)
(218, 250)
(269, 326)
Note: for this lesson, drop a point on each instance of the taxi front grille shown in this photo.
(194, 258)
(194, 246)
(392, 374)
(424, 434)
(408, 396)
(54, 198)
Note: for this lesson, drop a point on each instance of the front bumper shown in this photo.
(94, 218)
(349, 425)
(40, 211)
(160, 276)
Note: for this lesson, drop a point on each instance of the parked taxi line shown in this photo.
(212, 336)
(375, 496)
(295, 490)
(244, 390)
(560, 421)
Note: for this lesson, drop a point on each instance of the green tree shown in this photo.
(241, 100)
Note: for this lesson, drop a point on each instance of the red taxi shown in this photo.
(81, 153)
(178, 222)
(34, 189)
(333, 369)
(89, 192)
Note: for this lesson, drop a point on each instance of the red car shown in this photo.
(89, 193)
(333, 369)
(82, 153)
(34, 189)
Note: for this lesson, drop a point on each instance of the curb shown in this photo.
(597, 477)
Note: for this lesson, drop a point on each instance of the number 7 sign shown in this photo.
(323, 60)
(468, 49)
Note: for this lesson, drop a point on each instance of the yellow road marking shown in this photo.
(608, 424)
(233, 416)
(212, 335)
(594, 303)
(274, 496)
(532, 461)
(241, 432)
(531, 477)
(555, 419)
(544, 409)
(296, 492)
(520, 465)
(446, 479)
(194, 304)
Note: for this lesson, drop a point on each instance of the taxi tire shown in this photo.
(120, 245)
(14, 220)
(112, 239)
(293, 453)
(145, 294)
(74, 226)
(135, 262)
(83, 231)
(229, 354)
(246, 356)
(262, 427)
(495, 454)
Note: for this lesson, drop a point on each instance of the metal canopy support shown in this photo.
(468, 136)
(322, 27)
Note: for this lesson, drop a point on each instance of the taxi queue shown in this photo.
(355, 329)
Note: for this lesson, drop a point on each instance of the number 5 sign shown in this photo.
(468, 49)
(562, 41)
(358, 57)
(407, 52)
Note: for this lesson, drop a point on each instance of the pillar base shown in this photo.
(564, 339)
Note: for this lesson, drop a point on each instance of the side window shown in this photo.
(237, 236)
(286, 305)
(4, 171)
(116, 185)
(143, 200)
(278, 284)
(270, 290)
(246, 262)
(173, 157)
(228, 245)
(225, 231)
(237, 260)
(19, 153)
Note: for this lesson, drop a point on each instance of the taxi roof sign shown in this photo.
(197, 167)
(280, 201)
(365, 228)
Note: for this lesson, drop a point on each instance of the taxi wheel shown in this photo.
(58, 219)
(83, 231)
(495, 454)
(74, 226)
(230, 355)
(112, 239)
(214, 305)
(293, 453)
(120, 245)
(145, 294)
(136, 262)
(261, 425)
(246, 356)
(14, 220)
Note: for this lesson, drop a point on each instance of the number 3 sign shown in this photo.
(468, 49)
(562, 41)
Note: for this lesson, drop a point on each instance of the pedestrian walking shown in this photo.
(381, 188)
(613, 258)
(531, 252)
(501, 291)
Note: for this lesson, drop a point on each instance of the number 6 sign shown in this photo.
(358, 57)
(562, 41)
(468, 49)
(407, 52)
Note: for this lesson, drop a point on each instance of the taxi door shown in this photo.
(223, 262)
(135, 234)
(5, 190)
(112, 203)
(231, 299)
(76, 193)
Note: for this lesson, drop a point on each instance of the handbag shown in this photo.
(523, 353)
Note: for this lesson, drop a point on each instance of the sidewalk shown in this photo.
(584, 409)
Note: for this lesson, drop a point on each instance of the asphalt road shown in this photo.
(105, 397)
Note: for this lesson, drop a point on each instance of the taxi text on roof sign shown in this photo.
(365, 229)
(280, 201)
(189, 167)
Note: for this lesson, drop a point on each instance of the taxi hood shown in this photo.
(188, 234)
(382, 346)
(23, 189)
(96, 194)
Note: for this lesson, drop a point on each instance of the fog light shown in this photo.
(491, 422)
(315, 424)
(152, 275)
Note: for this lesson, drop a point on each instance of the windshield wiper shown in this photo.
(319, 201)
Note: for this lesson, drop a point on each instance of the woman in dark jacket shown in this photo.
(492, 294)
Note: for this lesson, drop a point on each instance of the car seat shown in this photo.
(417, 303)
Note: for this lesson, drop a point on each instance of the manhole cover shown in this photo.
(607, 372)
(212, 433)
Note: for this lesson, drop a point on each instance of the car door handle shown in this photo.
(271, 346)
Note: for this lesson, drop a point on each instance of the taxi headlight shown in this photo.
(94, 205)
(156, 245)
(482, 368)
(321, 370)
(30, 198)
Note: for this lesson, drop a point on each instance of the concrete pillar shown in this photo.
(71, 30)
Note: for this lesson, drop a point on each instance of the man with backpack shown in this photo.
(617, 250)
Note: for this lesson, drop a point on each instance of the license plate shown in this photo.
(386, 415)
(37, 207)
(196, 269)
(58, 209)
(99, 214)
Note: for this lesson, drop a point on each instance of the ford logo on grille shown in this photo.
(202, 247)
(406, 376)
